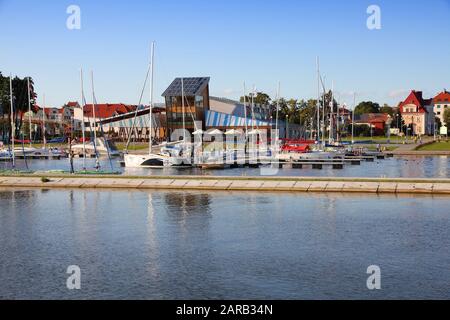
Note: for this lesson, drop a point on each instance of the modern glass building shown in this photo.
(216, 113)
(196, 103)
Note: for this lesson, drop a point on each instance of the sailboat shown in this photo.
(170, 152)
(98, 146)
(101, 147)
(31, 151)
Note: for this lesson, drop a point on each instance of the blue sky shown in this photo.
(232, 41)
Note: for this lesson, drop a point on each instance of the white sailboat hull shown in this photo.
(151, 161)
(38, 152)
(100, 147)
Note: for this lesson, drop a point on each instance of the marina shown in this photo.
(212, 159)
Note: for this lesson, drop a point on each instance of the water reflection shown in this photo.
(223, 245)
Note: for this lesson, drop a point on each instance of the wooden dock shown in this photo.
(40, 157)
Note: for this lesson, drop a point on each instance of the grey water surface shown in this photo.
(216, 245)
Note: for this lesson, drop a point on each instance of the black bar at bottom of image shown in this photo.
(221, 309)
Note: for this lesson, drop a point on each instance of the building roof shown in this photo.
(48, 110)
(372, 118)
(416, 98)
(192, 87)
(225, 100)
(344, 111)
(443, 97)
(107, 110)
(72, 104)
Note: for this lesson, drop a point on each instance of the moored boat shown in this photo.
(101, 147)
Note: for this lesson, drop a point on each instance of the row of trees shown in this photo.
(295, 110)
(304, 112)
(20, 103)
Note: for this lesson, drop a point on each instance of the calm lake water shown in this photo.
(194, 245)
(398, 167)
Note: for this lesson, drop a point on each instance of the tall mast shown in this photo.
(182, 110)
(318, 100)
(245, 110)
(152, 60)
(44, 130)
(29, 109)
(13, 129)
(277, 113)
(338, 119)
(253, 107)
(353, 118)
(331, 135)
(82, 121)
(93, 113)
(323, 114)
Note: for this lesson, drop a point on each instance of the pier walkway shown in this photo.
(260, 184)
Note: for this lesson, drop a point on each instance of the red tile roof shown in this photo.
(48, 110)
(107, 110)
(416, 98)
(72, 104)
(374, 118)
(442, 97)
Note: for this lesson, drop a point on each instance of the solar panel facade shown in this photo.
(196, 103)
(192, 87)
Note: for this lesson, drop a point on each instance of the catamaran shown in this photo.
(171, 154)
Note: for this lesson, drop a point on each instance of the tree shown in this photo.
(438, 123)
(387, 109)
(398, 122)
(367, 107)
(260, 98)
(20, 99)
(447, 117)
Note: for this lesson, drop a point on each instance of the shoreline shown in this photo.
(212, 183)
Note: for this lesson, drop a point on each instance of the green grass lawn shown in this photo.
(120, 146)
(41, 145)
(394, 139)
(132, 147)
(387, 148)
(437, 146)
